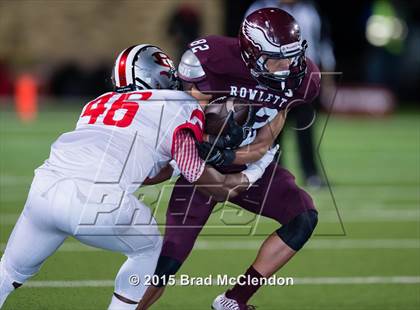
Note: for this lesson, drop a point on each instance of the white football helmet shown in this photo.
(144, 66)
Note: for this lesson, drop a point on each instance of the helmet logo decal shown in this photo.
(163, 60)
(258, 38)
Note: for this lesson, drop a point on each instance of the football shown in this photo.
(218, 111)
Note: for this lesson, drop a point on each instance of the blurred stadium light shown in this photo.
(385, 28)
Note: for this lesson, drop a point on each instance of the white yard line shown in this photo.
(348, 216)
(82, 283)
(358, 280)
(13, 180)
(8, 180)
(296, 281)
(314, 244)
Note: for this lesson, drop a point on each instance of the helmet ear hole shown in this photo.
(113, 80)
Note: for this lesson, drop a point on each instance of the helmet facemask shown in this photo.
(281, 71)
(166, 75)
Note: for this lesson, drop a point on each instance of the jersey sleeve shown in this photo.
(186, 156)
(313, 85)
(310, 88)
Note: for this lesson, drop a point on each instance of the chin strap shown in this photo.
(125, 89)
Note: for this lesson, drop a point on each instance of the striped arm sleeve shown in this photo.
(186, 155)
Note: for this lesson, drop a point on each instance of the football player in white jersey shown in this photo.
(123, 139)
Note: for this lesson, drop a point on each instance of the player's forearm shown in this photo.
(233, 185)
(221, 187)
(251, 153)
(262, 143)
(162, 176)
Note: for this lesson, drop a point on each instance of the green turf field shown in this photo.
(373, 166)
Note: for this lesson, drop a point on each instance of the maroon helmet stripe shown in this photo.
(122, 67)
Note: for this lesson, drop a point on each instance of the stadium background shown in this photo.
(56, 55)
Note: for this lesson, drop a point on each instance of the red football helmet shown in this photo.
(266, 36)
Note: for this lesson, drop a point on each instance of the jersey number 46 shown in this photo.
(117, 109)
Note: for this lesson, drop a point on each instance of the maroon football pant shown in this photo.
(275, 195)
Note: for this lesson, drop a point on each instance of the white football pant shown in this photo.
(99, 215)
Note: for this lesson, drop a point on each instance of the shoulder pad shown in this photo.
(190, 68)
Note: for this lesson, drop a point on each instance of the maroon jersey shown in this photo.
(214, 64)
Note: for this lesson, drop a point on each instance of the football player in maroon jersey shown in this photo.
(266, 66)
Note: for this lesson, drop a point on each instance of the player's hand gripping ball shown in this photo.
(228, 122)
(215, 156)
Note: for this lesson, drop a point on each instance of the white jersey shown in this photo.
(122, 138)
